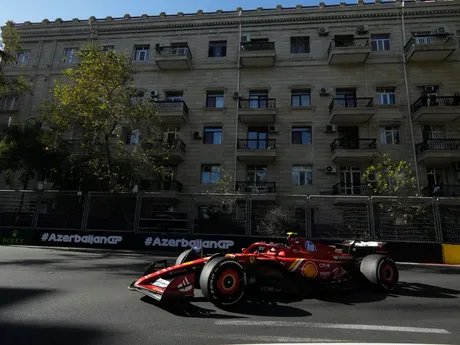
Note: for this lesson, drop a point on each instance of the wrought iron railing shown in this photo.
(441, 191)
(172, 144)
(429, 39)
(174, 51)
(435, 101)
(255, 187)
(171, 105)
(256, 144)
(358, 102)
(257, 103)
(257, 46)
(351, 189)
(348, 43)
(353, 144)
(438, 145)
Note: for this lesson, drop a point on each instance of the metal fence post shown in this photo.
(192, 211)
(84, 220)
(371, 218)
(437, 220)
(248, 215)
(137, 212)
(308, 230)
(38, 203)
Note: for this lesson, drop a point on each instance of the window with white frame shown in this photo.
(8, 103)
(380, 42)
(210, 173)
(141, 53)
(130, 136)
(385, 95)
(70, 55)
(302, 175)
(390, 134)
(430, 132)
(24, 57)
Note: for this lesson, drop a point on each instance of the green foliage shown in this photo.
(277, 222)
(94, 101)
(395, 180)
(9, 56)
(23, 151)
(223, 192)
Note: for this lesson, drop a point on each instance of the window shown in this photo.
(174, 96)
(210, 173)
(217, 49)
(300, 98)
(212, 135)
(179, 48)
(24, 57)
(432, 132)
(302, 175)
(380, 42)
(70, 55)
(390, 134)
(301, 135)
(214, 99)
(130, 136)
(8, 103)
(385, 95)
(141, 53)
(300, 45)
(258, 99)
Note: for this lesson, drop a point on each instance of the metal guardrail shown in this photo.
(435, 101)
(349, 43)
(353, 144)
(174, 51)
(256, 144)
(170, 105)
(355, 102)
(338, 217)
(257, 46)
(438, 145)
(261, 103)
(428, 39)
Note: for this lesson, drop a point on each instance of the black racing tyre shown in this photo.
(186, 256)
(222, 281)
(381, 271)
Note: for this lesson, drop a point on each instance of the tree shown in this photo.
(224, 192)
(277, 222)
(97, 102)
(395, 180)
(10, 49)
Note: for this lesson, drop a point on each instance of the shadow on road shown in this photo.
(424, 291)
(25, 334)
(267, 309)
(10, 296)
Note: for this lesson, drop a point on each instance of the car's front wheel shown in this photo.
(222, 281)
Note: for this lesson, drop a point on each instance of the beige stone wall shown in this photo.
(48, 41)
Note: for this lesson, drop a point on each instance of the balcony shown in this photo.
(446, 191)
(351, 111)
(353, 150)
(257, 111)
(256, 150)
(173, 113)
(436, 109)
(438, 152)
(260, 54)
(350, 189)
(253, 187)
(173, 58)
(174, 150)
(160, 186)
(348, 51)
(430, 47)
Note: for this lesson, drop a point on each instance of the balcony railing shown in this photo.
(350, 189)
(435, 101)
(359, 102)
(174, 51)
(256, 144)
(171, 105)
(428, 39)
(267, 103)
(348, 43)
(353, 144)
(255, 187)
(172, 144)
(257, 46)
(438, 145)
(160, 185)
(441, 191)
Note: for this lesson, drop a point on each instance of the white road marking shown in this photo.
(332, 325)
(338, 344)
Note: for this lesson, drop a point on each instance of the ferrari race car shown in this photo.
(270, 271)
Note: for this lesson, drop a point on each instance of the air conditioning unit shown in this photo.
(323, 31)
(331, 128)
(236, 95)
(197, 135)
(154, 94)
(330, 169)
(440, 30)
(362, 29)
(324, 91)
(273, 129)
(429, 89)
(245, 38)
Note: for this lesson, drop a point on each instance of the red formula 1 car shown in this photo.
(270, 271)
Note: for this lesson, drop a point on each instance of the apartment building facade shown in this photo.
(288, 100)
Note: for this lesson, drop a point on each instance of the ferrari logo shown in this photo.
(252, 259)
(310, 270)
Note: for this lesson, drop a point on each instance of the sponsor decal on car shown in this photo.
(324, 265)
(14, 239)
(87, 239)
(324, 275)
(309, 270)
(252, 259)
(174, 243)
(161, 283)
(269, 289)
(310, 246)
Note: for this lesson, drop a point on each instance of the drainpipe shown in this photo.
(408, 98)
(237, 104)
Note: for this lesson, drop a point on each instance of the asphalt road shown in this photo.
(77, 297)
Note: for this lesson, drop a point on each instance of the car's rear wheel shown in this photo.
(222, 281)
(381, 271)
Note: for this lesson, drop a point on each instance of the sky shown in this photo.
(35, 11)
